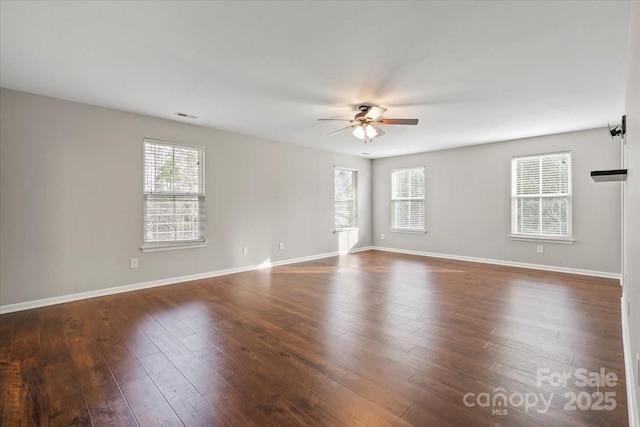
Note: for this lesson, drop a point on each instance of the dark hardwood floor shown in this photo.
(368, 339)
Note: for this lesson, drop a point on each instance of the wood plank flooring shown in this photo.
(367, 339)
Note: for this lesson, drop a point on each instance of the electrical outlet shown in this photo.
(382, 236)
(133, 263)
(281, 246)
(245, 250)
(540, 249)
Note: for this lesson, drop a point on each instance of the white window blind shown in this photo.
(407, 199)
(541, 196)
(346, 198)
(173, 192)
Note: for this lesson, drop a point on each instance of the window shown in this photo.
(173, 193)
(345, 198)
(541, 196)
(407, 200)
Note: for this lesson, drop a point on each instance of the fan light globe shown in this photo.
(371, 132)
(358, 132)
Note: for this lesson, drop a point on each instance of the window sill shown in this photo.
(340, 230)
(171, 246)
(407, 231)
(542, 239)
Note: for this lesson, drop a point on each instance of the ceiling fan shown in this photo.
(366, 123)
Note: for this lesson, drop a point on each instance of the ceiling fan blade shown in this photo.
(378, 129)
(374, 112)
(339, 120)
(339, 130)
(398, 121)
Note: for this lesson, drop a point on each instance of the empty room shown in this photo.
(320, 213)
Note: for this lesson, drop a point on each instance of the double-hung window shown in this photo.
(345, 199)
(407, 200)
(173, 194)
(541, 197)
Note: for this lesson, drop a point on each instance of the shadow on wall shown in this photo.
(347, 240)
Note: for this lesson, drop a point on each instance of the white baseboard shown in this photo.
(505, 263)
(9, 308)
(173, 280)
(634, 417)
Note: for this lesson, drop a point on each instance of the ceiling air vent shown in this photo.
(187, 115)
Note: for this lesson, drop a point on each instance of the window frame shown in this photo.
(393, 200)
(148, 246)
(337, 229)
(541, 238)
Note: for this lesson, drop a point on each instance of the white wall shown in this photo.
(632, 207)
(71, 199)
(468, 206)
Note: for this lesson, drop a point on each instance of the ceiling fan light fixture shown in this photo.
(359, 132)
(365, 125)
